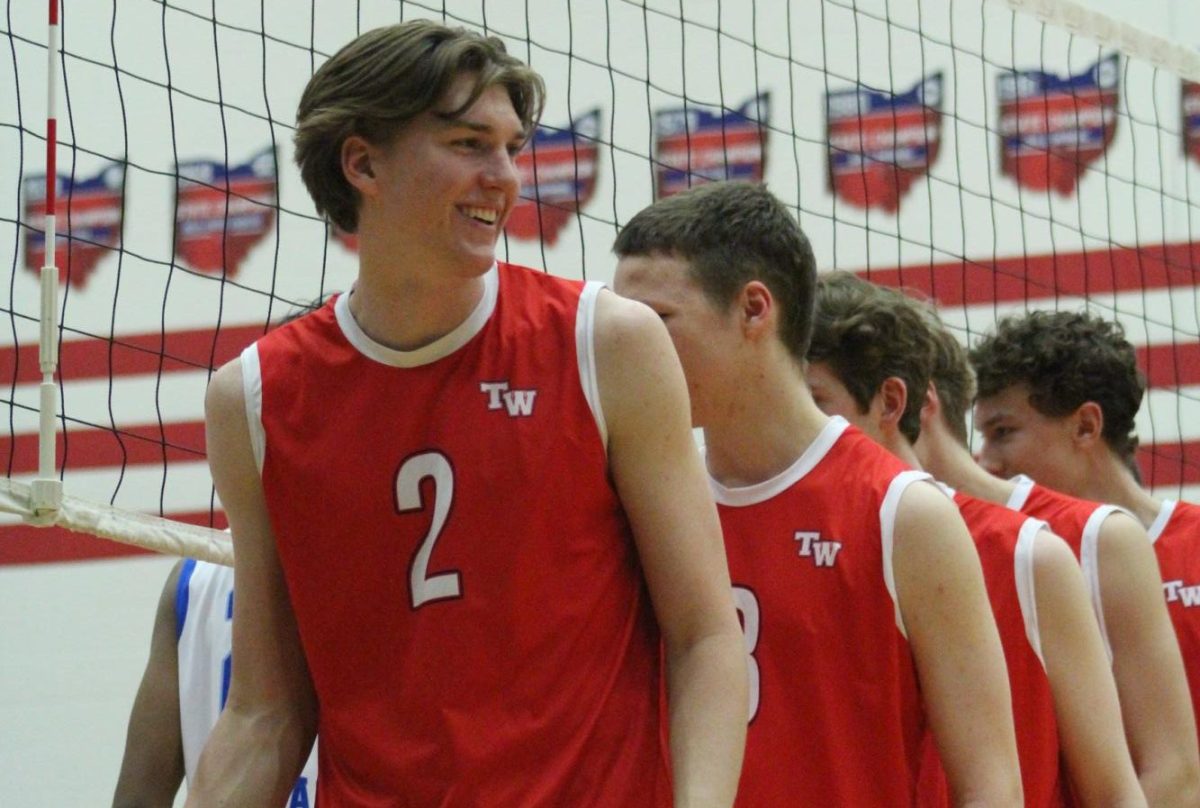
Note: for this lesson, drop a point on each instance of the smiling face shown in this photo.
(706, 339)
(443, 188)
(1017, 439)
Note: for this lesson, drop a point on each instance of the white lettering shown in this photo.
(825, 553)
(806, 539)
(519, 402)
(493, 389)
(1171, 590)
(1190, 595)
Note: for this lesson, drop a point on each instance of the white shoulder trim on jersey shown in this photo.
(887, 530)
(1089, 560)
(441, 347)
(808, 460)
(1020, 494)
(252, 391)
(585, 351)
(1026, 591)
(1160, 522)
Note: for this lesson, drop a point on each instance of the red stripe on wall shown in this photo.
(93, 448)
(1170, 365)
(1042, 277)
(1165, 464)
(23, 544)
(138, 353)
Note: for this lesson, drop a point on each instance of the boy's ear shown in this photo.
(1087, 424)
(892, 400)
(357, 155)
(756, 307)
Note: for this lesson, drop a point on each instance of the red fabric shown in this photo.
(996, 530)
(1066, 515)
(538, 684)
(839, 718)
(1178, 551)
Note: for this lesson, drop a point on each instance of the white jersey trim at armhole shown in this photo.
(1026, 588)
(1160, 522)
(887, 532)
(252, 392)
(1020, 494)
(1089, 561)
(585, 351)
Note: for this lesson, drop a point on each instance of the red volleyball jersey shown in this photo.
(1176, 537)
(467, 590)
(1005, 541)
(835, 713)
(1078, 522)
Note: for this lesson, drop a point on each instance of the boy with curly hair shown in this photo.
(1058, 397)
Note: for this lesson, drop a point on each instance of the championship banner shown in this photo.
(1191, 119)
(558, 177)
(1052, 128)
(696, 145)
(880, 143)
(88, 224)
(222, 213)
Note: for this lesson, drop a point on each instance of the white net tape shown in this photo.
(128, 527)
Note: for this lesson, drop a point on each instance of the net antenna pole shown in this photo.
(46, 491)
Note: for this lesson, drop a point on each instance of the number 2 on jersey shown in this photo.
(424, 587)
(747, 609)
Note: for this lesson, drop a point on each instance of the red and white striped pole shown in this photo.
(46, 491)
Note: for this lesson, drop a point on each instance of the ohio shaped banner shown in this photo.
(88, 223)
(1191, 119)
(880, 142)
(1052, 127)
(695, 145)
(223, 212)
(558, 177)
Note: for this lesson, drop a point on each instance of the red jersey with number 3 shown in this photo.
(835, 710)
(467, 590)
(1176, 537)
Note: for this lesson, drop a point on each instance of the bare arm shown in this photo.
(1085, 695)
(267, 727)
(956, 646)
(1147, 665)
(661, 482)
(152, 768)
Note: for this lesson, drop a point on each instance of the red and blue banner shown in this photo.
(694, 145)
(1190, 102)
(558, 177)
(1053, 127)
(222, 212)
(880, 143)
(88, 223)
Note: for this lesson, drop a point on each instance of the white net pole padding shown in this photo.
(47, 490)
(128, 527)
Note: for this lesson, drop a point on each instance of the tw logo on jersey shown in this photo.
(518, 403)
(823, 552)
(1177, 591)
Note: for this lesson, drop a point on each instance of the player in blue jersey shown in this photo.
(183, 690)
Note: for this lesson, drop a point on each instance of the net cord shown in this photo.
(1129, 39)
(127, 527)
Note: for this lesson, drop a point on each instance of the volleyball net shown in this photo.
(998, 156)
